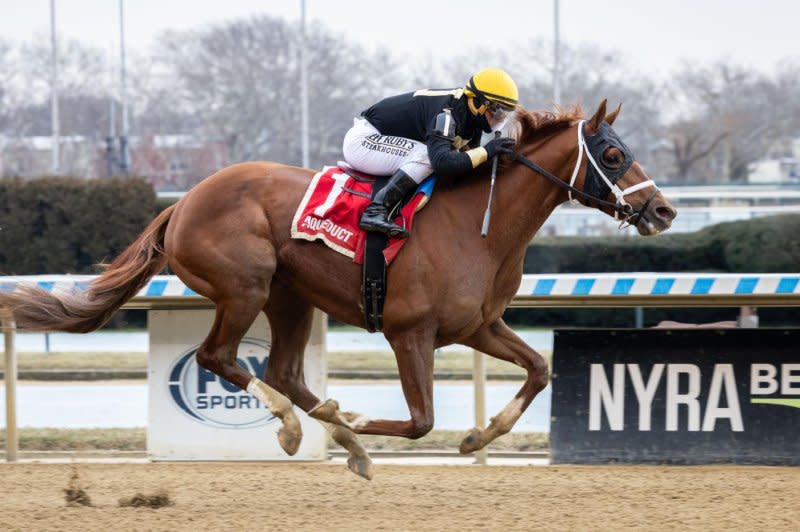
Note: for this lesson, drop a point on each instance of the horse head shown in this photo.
(607, 176)
(613, 172)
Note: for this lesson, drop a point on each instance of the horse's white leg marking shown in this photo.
(329, 411)
(277, 403)
(509, 415)
(359, 461)
(291, 434)
(478, 438)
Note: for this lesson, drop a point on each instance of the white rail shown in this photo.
(541, 290)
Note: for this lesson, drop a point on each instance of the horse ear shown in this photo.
(610, 117)
(596, 121)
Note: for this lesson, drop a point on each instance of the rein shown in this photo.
(621, 207)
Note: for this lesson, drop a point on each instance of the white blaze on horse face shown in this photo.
(277, 403)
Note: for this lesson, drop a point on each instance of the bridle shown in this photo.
(623, 211)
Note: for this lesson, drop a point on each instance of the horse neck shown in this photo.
(524, 199)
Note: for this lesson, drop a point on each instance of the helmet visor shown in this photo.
(499, 111)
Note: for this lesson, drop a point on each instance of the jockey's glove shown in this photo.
(499, 145)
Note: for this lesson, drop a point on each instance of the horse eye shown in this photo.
(613, 158)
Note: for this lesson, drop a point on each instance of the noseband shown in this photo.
(599, 182)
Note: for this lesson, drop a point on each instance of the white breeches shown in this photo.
(365, 149)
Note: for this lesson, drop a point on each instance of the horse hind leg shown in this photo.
(218, 354)
(499, 341)
(291, 321)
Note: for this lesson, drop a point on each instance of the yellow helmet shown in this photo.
(492, 85)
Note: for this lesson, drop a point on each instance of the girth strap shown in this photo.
(373, 290)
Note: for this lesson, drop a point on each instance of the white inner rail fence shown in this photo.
(541, 290)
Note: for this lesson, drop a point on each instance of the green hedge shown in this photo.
(67, 225)
(760, 245)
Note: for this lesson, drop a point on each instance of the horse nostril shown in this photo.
(666, 213)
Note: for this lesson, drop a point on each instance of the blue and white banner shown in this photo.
(533, 287)
(659, 284)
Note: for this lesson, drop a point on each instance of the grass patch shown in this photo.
(343, 361)
(443, 361)
(66, 360)
(57, 439)
(50, 439)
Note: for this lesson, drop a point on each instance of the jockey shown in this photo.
(412, 135)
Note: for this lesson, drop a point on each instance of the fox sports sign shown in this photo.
(213, 401)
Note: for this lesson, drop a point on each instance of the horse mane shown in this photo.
(534, 124)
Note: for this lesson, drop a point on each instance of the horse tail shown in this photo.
(35, 309)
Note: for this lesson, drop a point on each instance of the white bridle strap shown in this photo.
(618, 192)
(578, 162)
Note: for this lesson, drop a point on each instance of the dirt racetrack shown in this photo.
(322, 497)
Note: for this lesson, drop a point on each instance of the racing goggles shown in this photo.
(499, 111)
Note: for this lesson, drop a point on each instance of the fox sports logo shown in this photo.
(212, 400)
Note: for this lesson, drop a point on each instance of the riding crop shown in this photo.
(488, 213)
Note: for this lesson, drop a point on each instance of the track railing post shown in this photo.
(317, 342)
(12, 438)
(479, 382)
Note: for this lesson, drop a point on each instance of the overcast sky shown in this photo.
(654, 35)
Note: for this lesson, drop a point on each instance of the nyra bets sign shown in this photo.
(676, 396)
(193, 414)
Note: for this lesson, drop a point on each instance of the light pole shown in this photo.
(124, 161)
(303, 85)
(54, 119)
(111, 163)
(556, 65)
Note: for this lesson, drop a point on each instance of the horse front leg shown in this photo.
(499, 341)
(413, 350)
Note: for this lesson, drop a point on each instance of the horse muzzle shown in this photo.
(655, 216)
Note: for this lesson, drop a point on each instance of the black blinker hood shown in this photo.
(604, 138)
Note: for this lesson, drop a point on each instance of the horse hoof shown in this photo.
(471, 442)
(361, 466)
(291, 434)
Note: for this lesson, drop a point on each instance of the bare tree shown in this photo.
(82, 88)
(727, 119)
(242, 79)
(5, 73)
(588, 76)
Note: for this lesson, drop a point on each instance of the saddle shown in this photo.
(330, 212)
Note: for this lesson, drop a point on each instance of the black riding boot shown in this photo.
(376, 217)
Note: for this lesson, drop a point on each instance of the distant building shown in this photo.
(170, 162)
(176, 162)
(32, 156)
(781, 166)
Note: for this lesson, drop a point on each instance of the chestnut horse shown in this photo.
(228, 239)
